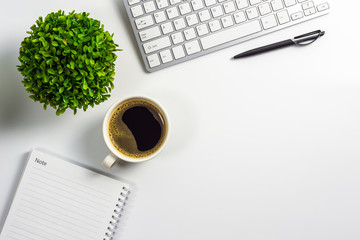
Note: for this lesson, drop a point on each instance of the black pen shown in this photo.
(304, 39)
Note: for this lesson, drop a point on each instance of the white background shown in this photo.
(265, 147)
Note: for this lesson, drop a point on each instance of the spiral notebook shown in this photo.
(57, 199)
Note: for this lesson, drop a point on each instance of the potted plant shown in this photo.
(68, 61)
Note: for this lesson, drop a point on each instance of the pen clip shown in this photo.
(308, 38)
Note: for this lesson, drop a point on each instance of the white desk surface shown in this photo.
(266, 147)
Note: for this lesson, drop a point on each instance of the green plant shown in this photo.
(68, 61)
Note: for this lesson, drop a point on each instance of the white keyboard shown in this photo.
(173, 31)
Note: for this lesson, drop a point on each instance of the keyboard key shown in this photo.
(289, 3)
(179, 23)
(149, 33)
(191, 19)
(283, 17)
(229, 7)
(156, 44)
(166, 56)
(160, 17)
(204, 15)
(241, 3)
(172, 2)
(184, 8)
(296, 16)
(153, 60)
(254, 2)
(230, 34)
(202, 30)
(137, 11)
(308, 5)
(309, 11)
(277, 5)
(162, 3)
(172, 12)
(177, 38)
(214, 25)
(189, 34)
(197, 4)
(239, 17)
(209, 3)
(167, 28)
(322, 7)
(264, 9)
(144, 22)
(269, 21)
(149, 6)
(227, 21)
(178, 52)
(217, 11)
(252, 13)
(132, 2)
(192, 47)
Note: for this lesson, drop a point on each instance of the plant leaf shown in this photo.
(67, 61)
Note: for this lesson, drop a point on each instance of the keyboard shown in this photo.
(169, 32)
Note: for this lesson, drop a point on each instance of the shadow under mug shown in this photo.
(115, 154)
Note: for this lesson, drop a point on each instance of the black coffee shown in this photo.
(144, 127)
(137, 128)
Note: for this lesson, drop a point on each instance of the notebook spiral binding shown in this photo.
(119, 208)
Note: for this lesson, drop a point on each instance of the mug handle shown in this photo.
(109, 161)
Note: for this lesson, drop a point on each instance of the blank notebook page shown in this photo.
(59, 200)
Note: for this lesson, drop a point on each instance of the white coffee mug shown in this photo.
(115, 154)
